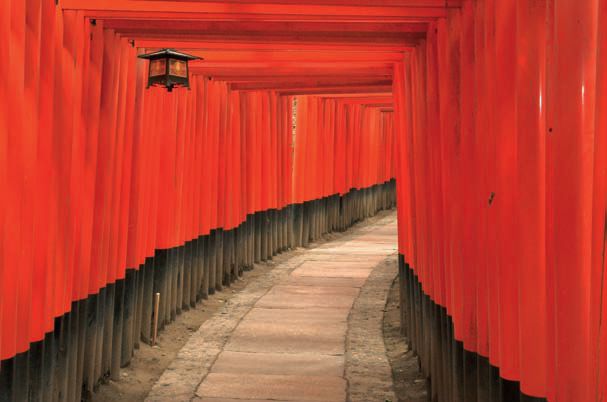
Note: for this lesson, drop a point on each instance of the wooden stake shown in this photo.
(156, 312)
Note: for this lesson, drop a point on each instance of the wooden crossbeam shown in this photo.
(244, 11)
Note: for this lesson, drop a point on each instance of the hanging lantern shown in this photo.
(168, 68)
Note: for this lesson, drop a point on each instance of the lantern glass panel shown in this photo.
(178, 68)
(158, 67)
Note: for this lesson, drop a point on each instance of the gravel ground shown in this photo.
(409, 384)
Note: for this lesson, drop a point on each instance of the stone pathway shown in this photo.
(310, 330)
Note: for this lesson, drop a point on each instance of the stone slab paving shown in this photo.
(308, 331)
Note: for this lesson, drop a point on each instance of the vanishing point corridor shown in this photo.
(303, 200)
(310, 331)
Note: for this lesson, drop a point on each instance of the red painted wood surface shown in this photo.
(489, 113)
(520, 86)
(102, 171)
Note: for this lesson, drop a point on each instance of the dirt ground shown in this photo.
(149, 363)
(409, 383)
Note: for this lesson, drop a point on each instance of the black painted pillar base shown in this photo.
(101, 333)
(455, 374)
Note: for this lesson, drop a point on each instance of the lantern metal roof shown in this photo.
(169, 53)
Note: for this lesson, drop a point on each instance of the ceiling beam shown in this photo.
(263, 27)
(334, 91)
(192, 44)
(305, 79)
(245, 11)
(294, 83)
(352, 39)
(280, 57)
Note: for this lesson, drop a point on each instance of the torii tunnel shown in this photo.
(484, 121)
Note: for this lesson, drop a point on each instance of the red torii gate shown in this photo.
(495, 110)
